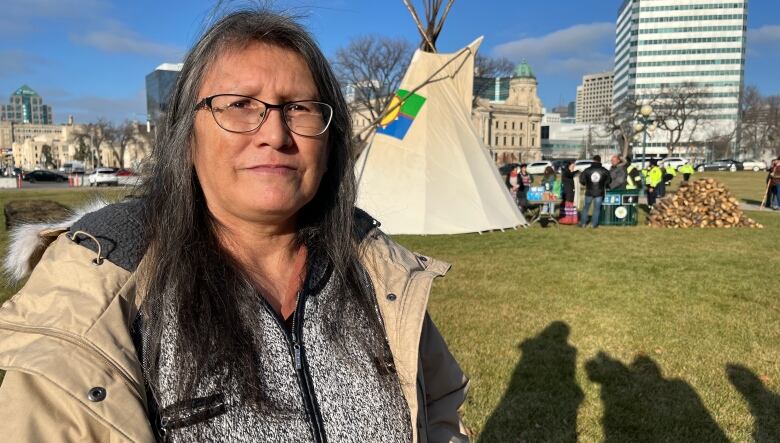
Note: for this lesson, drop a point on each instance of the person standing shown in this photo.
(654, 180)
(774, 176)
(567, 182)
(596, 180)
(548, 181)
(633, 175)
(524, 181)
(618, 174)
(669, 174)
(687, 171)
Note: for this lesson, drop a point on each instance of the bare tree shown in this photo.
(680, 113)
(373, 67)
(486, 69)
(121, 136)
(94, 136)
(47, 158)
(621, 121)
(760, 123)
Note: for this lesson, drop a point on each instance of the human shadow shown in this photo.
(640, 405)
(764, 404)
(540, 404)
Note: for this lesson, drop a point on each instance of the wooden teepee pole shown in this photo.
(433, 23)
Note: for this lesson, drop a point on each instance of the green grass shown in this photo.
(615, 334)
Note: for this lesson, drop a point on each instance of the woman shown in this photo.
(524, 182)
(567, 182)
(242, 297)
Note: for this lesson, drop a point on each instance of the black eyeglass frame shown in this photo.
(206, 104)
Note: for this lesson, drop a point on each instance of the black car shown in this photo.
(42, 176)
(721, 165)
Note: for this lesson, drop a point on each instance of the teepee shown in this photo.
(426, 170)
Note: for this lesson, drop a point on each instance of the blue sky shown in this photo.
(89, 57)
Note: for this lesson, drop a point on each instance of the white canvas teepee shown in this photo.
(426, 171)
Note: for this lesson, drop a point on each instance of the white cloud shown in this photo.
(116, 38)
(15, 62)
(22, 16)
(88, 108)
(577, 50)
(764, 40)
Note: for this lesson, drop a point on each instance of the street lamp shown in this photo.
(644, 124)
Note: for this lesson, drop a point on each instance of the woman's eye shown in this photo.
(240, 104)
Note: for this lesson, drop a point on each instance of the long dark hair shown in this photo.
(191, 281)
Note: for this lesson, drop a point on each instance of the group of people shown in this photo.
(597, 180)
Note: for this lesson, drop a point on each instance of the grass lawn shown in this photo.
(615, 334)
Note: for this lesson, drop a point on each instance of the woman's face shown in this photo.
(268, 174)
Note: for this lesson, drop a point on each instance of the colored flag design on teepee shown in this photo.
(398, 121)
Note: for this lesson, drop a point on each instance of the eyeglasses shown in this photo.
(238, 113)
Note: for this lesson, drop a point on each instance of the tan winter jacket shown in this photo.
(72, 371)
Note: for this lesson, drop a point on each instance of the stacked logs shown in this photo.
(700, 204)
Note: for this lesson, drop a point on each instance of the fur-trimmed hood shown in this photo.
(27, 242)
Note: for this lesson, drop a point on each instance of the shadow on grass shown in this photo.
(764, 404)
(640, 405)
(541, 401)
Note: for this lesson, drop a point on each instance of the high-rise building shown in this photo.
(26, 106)
(159, 86)
(666, 44)
(594, 98)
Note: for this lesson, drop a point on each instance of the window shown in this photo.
(496, 143)
(513, 139)
(504, 140)
(504, 125)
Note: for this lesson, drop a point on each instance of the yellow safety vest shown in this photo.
(654, 176)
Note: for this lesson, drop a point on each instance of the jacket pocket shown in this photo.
(190, 412)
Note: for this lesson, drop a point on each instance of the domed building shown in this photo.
(508, 116)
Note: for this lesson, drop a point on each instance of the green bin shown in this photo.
(620, 208)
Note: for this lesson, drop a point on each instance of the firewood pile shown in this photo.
(700, 204)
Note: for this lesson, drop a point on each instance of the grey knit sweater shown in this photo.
(355, 402)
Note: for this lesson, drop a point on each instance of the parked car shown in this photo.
(126, 177)
(42, 175)
(581, 165)
(720, 165)
(537, 168)
(559, 164)
(103, 177)
(675, 162)
(754, 166)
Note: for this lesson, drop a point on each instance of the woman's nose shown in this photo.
(273, 131)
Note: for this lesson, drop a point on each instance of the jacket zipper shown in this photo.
(202, 409)
(295, 347)
(77, 341)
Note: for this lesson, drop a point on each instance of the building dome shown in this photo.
(523, 70)
(25, 90)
